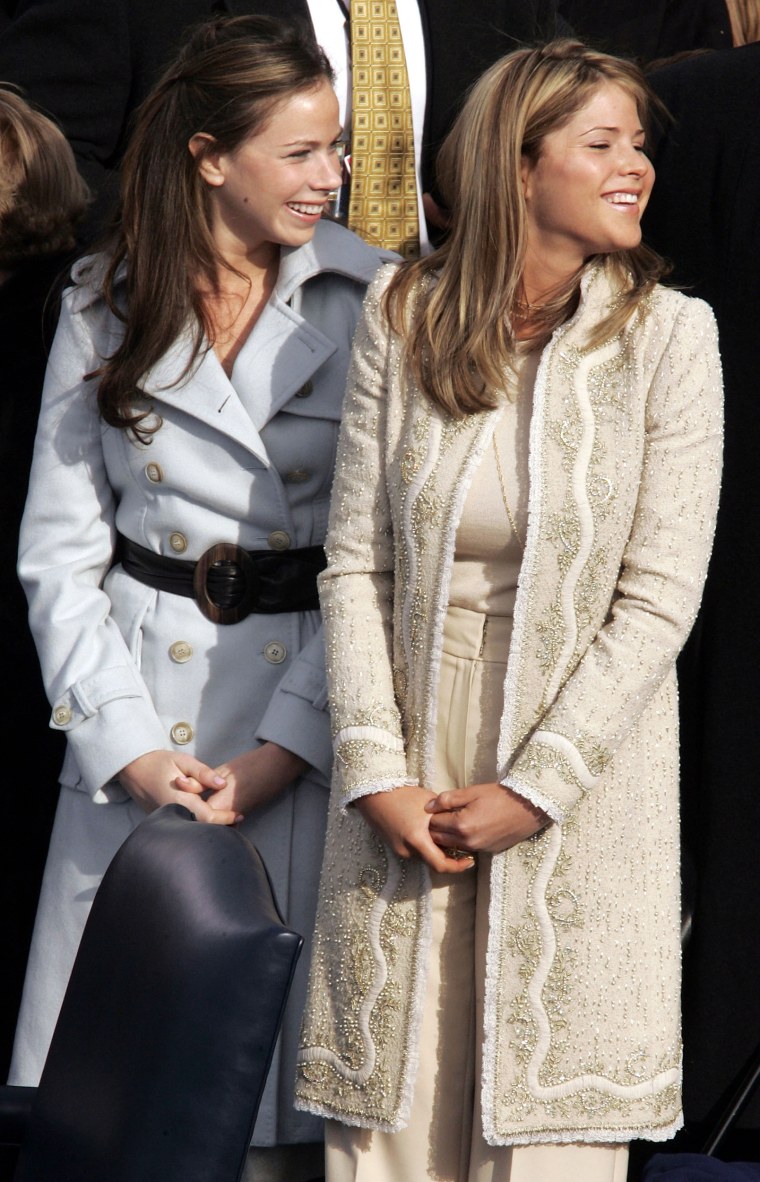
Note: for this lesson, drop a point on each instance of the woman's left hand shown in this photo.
(487, 817)
(255, 777)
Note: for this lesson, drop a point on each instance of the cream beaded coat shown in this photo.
(582, 995)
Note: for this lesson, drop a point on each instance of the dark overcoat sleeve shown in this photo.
(703, 216)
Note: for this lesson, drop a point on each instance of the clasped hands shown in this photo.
(416, 822)
(219, 796)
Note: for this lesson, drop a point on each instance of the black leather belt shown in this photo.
(228, 582)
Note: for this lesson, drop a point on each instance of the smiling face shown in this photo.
(273, 189)
(588, 187)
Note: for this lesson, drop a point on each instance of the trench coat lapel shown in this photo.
(206, 393)
(281, 353)
(284, 350)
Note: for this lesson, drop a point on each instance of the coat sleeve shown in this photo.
(66, 549)
(297, 717)
(356, 589)
(660, 583)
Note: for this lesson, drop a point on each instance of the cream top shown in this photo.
(488, 553)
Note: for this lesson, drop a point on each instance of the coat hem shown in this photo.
(602, 1136)
(590, 1136)
(356, 1122)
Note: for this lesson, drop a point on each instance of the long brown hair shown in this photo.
(42, 195)
(226, 82)
(458, 329)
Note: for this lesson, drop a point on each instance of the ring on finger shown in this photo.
(454, 852)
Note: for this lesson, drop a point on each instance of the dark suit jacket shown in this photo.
(33, 752)
(649, 29)
(703, 215)
(90, 63)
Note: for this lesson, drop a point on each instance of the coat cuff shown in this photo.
(105, 742)
(552, 773)
(297, 717)
(368, 759)
(300, 725)
(372, 789)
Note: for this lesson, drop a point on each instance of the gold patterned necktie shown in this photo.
(383, 194)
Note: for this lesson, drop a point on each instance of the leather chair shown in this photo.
(161, 1050)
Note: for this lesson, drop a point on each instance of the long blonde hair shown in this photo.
(459, 335)
(744, 16)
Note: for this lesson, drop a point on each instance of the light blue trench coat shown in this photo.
(129, 669)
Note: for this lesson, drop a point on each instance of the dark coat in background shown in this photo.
(89, 64)
(32, 753)
(704, 215)
(648, 30)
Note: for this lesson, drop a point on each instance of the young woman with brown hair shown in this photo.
(178, 502)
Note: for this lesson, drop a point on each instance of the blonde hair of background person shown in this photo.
(42, 195)
(744, 16)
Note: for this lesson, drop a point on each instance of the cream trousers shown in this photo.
(443, 1141)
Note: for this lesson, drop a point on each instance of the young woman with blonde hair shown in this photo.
(522, 515)
(178, 504)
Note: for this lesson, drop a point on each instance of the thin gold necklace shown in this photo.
(525, 309)
(502, 482)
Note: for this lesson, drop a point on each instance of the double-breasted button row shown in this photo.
(279, 539)
(182, 732)
(181, 651)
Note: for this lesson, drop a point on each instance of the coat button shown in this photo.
(297, 476)
(182, 733)
(154, 472)
(180, 651)
(61, 715)
(306, 390)
(275, 652)
(279, 540)
(178, 542)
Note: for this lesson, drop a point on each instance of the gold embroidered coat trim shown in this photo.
(583, 978)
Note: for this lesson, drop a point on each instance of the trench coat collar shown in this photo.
(284, 350)
(334, 249)
(280, 355)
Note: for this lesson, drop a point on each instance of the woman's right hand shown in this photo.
(399, 819)
(163, 777)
